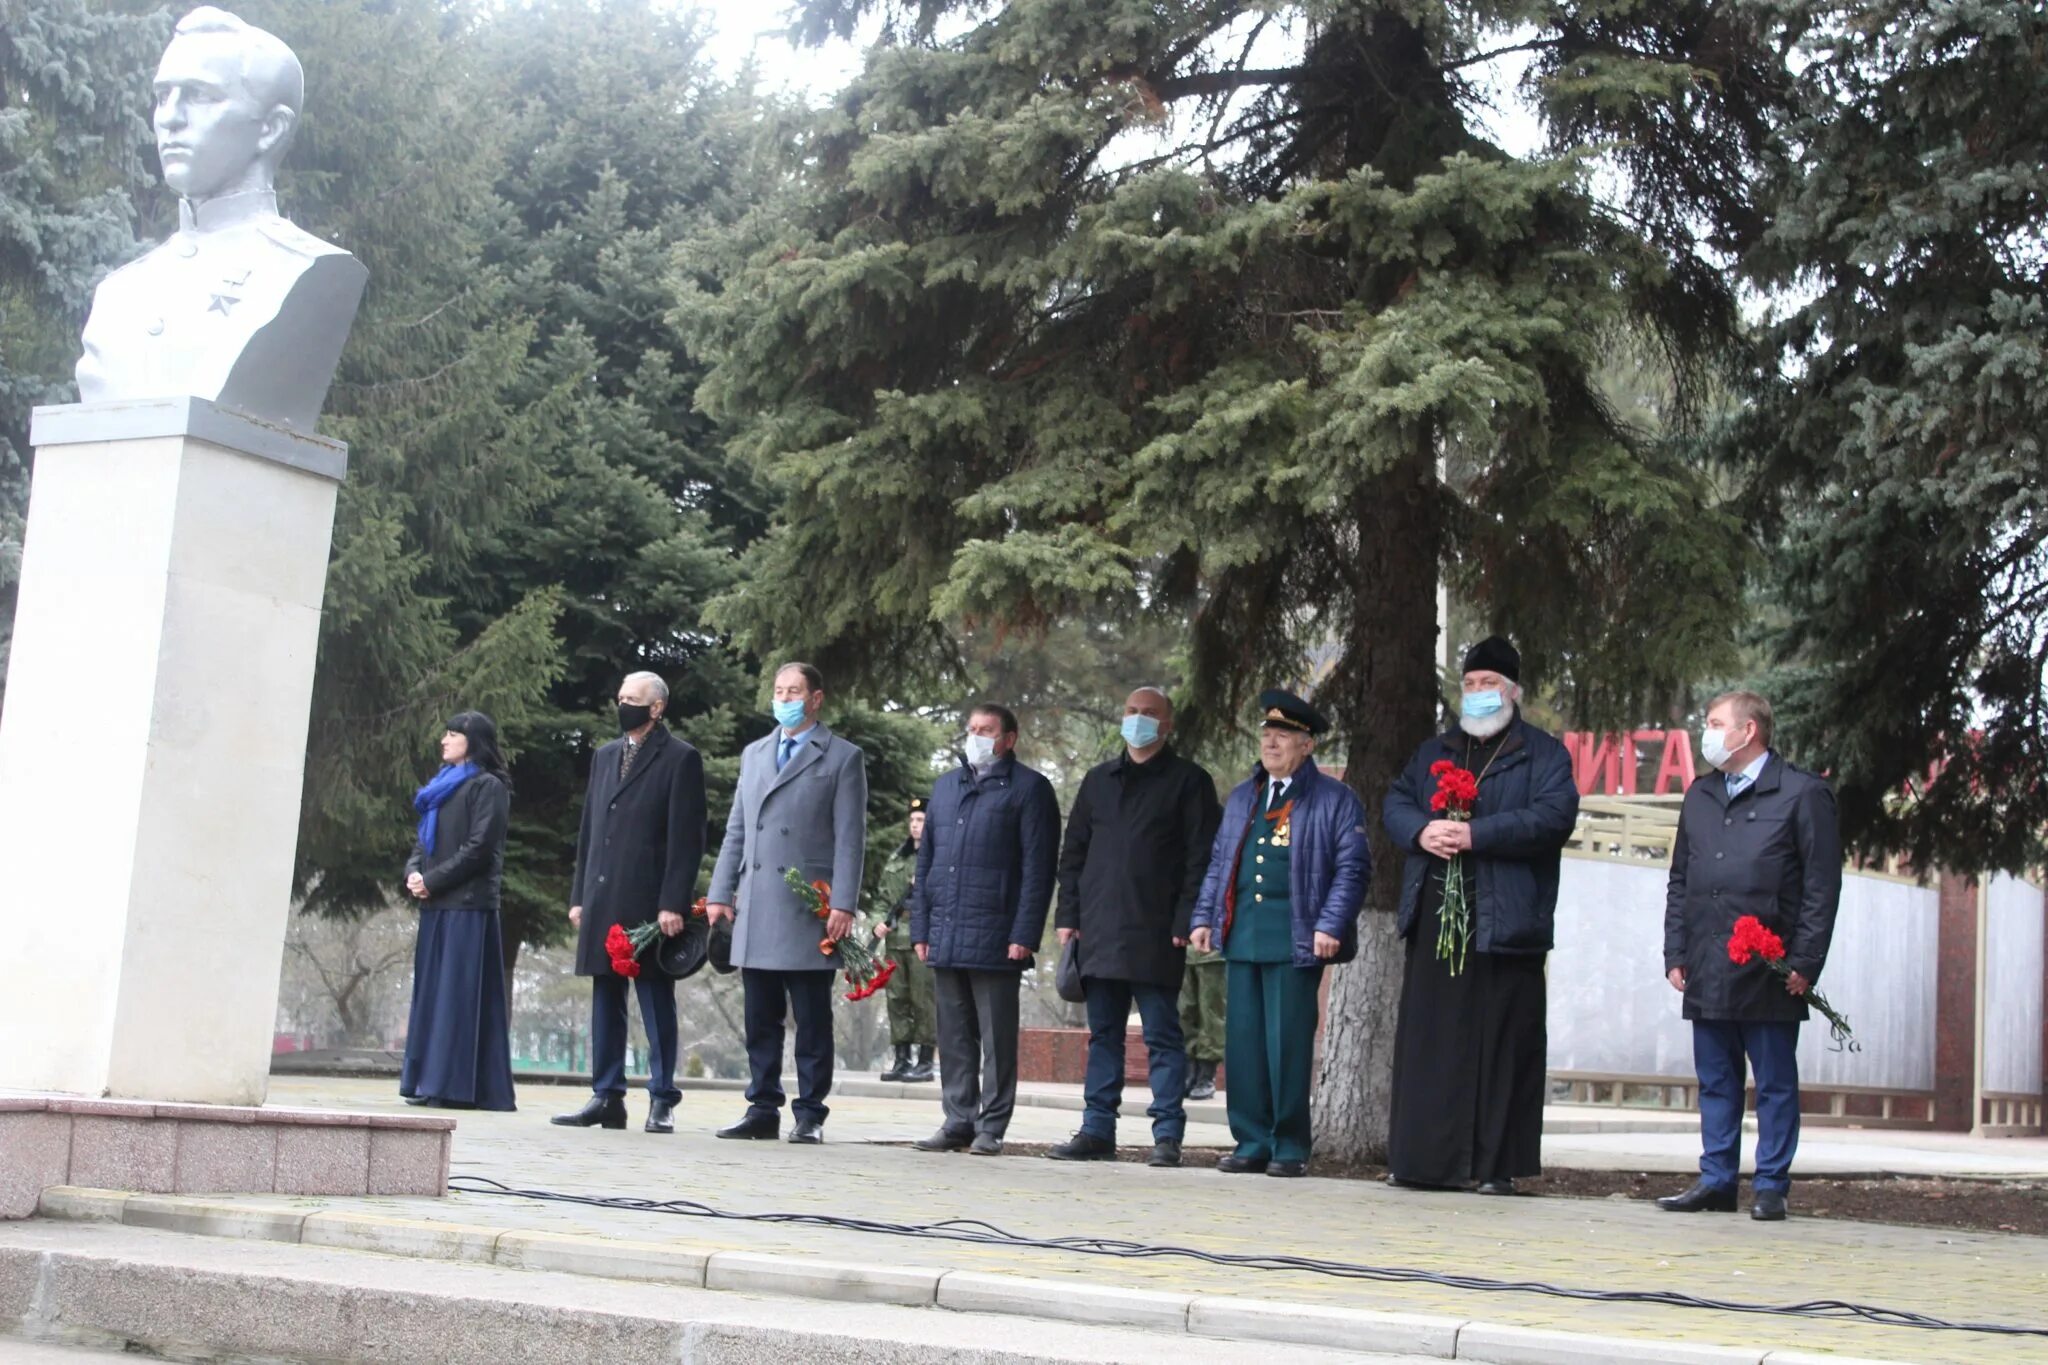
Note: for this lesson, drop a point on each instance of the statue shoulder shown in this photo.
(285, 234)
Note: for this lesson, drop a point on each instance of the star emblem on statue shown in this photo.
(222, 303)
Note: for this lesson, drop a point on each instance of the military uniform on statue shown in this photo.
(913, 1006)
(1287, 875)
(1469, 1048)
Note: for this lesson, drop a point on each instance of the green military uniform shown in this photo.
(1203, 994)
(913, 1003)
(1269, 1047)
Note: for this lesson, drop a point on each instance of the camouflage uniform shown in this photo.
(913, 1007)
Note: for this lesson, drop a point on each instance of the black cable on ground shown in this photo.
(977, 1231)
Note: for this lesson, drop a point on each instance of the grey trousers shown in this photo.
(978, 1048)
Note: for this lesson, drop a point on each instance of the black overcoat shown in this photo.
(1131, 867)
(468, 862)
(1774, 852)
(641, 842)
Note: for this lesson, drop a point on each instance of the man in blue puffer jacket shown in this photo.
(1287, 876)
(977, 912)
(1469, 1048)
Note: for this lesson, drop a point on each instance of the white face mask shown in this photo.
(981, 750)
(1714, 748)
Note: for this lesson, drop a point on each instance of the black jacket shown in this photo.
(1774, 852)
(1131, 868)
(985, 868)
(1527, 808)
(641, 843)
(468, 862)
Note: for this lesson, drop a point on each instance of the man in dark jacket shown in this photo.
(1136, 848)
(977, 913)
(1757, 837)
(1287, 875)
(1469, 1046)
(637, 855)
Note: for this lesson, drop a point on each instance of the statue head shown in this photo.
(227, 102)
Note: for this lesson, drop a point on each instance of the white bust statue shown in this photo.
(239, 306)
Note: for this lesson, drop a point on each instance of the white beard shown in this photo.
(1486, 727)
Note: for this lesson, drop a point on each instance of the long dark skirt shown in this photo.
(1468, 1066)
(458, 1047)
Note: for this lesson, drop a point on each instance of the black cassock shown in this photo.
(1469, 1056)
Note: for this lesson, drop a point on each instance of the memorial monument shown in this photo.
(152, 747)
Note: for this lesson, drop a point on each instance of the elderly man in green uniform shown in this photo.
(1287, 876)
(913, 1008)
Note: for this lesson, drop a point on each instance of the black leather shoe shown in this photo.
(1165, 1152)
(661, 1117)
(1500, 1186)
(945, 1140)
(921, 1069)
(1701, 1198)
(603, 1111)
(810, 1132)
(416, 1099)
(1233, 1164)
(1287, 1170)
(760, 1127)
(986, 1144)
(1084, 1147)
(1769, 1206)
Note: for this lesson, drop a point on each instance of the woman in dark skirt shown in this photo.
(458, 1051)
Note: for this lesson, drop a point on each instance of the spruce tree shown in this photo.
(1895, 438)
(1083, 313)
(74, 128)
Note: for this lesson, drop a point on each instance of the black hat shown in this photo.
(718, 951)
(916, 804)
(1284, 711)
(684, 955)
(1494, 655)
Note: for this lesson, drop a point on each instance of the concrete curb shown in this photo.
(697, 1267)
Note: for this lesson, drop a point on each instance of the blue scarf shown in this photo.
(427, 800)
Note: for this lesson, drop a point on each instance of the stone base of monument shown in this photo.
(48, 1140)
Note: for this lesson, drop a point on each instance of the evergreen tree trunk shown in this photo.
(1385, 694)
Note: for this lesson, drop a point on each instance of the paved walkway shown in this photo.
(1590, 1244)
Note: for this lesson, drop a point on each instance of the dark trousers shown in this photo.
(978, 1048)
(1718, 1047)
(608, 1033)
(1269, 1049)
(1109, 1013)
(805, 997)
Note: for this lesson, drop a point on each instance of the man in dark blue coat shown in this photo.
(637, 855)
(1287, 875)
(977, 913)
(1756, 836)
(1469, 1046)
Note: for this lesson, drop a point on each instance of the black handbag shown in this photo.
(1066, 978)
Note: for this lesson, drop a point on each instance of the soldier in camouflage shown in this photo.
(913, 1011)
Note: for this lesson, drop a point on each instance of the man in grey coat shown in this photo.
(1757, 837)
(801, 803)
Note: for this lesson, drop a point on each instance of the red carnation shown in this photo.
(1440, 767)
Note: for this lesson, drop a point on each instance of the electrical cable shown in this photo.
(978, 1231)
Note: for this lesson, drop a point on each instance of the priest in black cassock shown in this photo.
(1469, 1048)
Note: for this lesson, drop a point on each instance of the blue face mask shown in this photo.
(1480, 705)
(1141, 732)
(789, 714)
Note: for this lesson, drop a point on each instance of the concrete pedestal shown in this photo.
(152, 747)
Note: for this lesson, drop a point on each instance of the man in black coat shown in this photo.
(977, 913)
(636, 860)
(1757, 837)
(1131, 869)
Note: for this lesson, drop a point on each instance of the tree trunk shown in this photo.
(1385, 692)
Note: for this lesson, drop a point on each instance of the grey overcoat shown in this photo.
(812, 816)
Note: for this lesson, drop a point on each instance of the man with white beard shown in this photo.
(1469, 1050)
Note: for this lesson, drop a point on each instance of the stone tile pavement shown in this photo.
(1584, 1244)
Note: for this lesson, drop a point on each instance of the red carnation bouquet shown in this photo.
(1752, 940)
(625, 947)
(863, 969)
(1457, 791)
